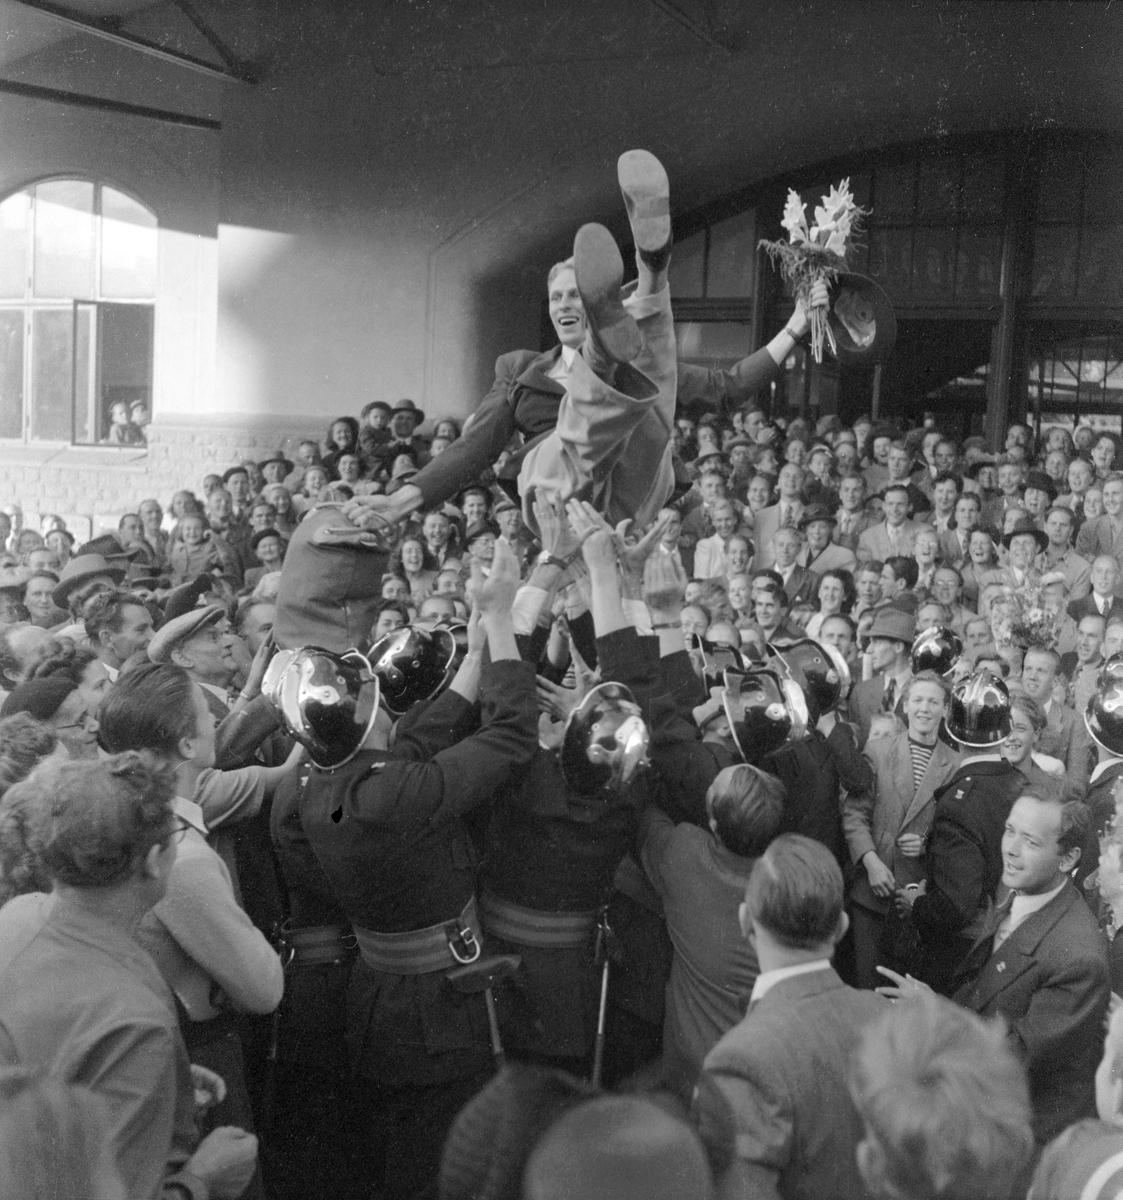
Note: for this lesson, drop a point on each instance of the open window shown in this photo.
(77, 314)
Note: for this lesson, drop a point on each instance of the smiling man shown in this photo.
(1041, 964)
(195, 643)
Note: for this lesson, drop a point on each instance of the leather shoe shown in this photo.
(647, 197)
(613, 336)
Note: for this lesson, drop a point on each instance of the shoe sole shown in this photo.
(647, 197)
(599, 271)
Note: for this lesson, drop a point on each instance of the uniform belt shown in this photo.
(316, 945)
(532, 927)
(422, 951)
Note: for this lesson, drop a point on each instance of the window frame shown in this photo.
(30, 305)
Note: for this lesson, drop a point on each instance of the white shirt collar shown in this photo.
(1024, 906)
(189, 811)
(112, 672)
(766, 981)
(215, 691)
(568, 354)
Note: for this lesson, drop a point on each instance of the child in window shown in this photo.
(122, 432)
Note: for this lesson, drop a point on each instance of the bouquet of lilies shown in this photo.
(818, 253)
(1033, 622)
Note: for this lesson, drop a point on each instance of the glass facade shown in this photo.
(1003, 259)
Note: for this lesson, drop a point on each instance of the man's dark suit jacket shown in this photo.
(1087, 607)
(964, 861)
(802, 586)
(524, 399)
(783, 1072)
(1049, 980)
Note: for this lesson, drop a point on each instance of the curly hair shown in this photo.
(713, 596)
(60, 656)
(92, 820)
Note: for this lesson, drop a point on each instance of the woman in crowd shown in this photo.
(836, 594)
(982, 567)
(342, 438)
(284, 515)
(62, 658)
(416, 565)
(59, 703)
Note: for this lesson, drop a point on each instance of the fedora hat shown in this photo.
(894, 624)
(1025, 526)
(81, 570)
(408, 406)
(276, 456)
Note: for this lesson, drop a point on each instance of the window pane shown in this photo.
(712, 343)
(125, 369)
(983, 187)
(52, 361)
(64, 239)
(933, 263)
(687, 264)
(1054, 262)
(978, 267)
(1101, 263)
(11, 373)
(128, 247)
(937, 196)
(893, 193)
(1061, 178)
(14, 213)
(85, 373)
(732, 256)
(1103, 187)
(890, 259)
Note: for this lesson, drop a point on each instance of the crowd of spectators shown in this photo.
(145, 892)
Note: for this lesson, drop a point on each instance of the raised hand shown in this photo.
(495, 595)
(664, 586)
(558, 538)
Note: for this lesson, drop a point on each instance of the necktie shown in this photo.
(889, 699)
(998, 920)
(787, 521)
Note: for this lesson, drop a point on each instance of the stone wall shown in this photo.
(98, 484)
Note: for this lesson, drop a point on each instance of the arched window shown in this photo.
(77, 307)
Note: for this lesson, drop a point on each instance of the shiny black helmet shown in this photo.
(327, 701)
(979, 710)
(1103, 717)
(764, 710)
(936, 649)
(413, 664)
(716, 660)
(1112, 669)
(819, 669)
(605, 741)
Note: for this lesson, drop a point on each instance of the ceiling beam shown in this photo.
(107, 31)
(694, 26)
(236, 64)
(82, 100)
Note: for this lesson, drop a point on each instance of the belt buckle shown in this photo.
(463, 944)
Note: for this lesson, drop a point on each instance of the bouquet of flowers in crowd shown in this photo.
(818, 253)
(1024, 618)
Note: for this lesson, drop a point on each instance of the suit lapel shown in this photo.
(1016, 954)
(934, 774)
(534, 376)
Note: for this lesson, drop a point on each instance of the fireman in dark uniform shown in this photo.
(386, 828)
(965, 844)
(557, 834)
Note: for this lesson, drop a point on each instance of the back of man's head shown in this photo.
(795, 893)
(944, 1102)
(618, 1148)
(746, 806)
